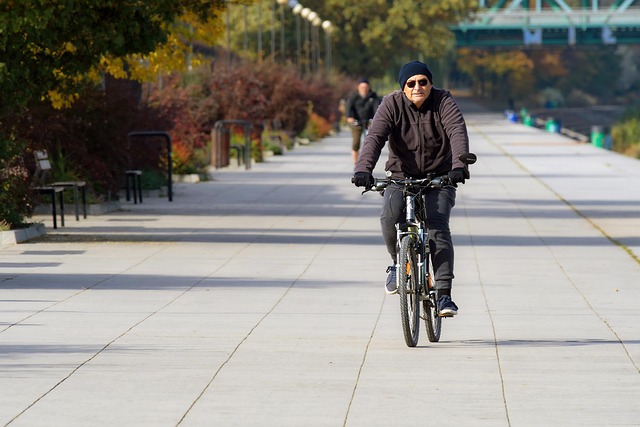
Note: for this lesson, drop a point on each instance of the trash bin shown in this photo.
(597, 136)
(529, 120)
(552, 125)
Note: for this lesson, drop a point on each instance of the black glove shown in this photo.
(456, 176)
(363, 179)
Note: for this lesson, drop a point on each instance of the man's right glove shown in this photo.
(363, 179)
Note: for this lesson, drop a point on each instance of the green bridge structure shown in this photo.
(524, 23)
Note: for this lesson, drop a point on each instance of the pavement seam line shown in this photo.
(617, 243)
(574, 285)
(73, 295)
(602, 319)
(77, 368)
(237, 347)
(493, 326)
(57, 303)
(590, 222)
(246, 337)
(364, 359)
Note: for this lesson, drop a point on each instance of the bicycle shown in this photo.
(414, 274)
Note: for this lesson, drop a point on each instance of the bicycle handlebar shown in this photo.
(379, 184)
(436, 182)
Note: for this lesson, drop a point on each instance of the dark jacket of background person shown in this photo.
(362, 109)
(421, 141)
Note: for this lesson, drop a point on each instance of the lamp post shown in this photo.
(282, 3)
(273, 32)
(245, 42)
(317, 22)
(305, 15)
(313, 60)
(260, 32)
(296, 11)
(328, 28)
(228, 37)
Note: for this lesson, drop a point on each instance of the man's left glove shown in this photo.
(457, 176)
(363, 179)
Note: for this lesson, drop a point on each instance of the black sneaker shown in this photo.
(446, 307)
(391, 287)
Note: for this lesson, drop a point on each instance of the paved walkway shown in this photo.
(256, 299)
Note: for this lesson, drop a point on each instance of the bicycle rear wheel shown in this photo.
(408, 290)
(432, 318)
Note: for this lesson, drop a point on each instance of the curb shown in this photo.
(13, 237)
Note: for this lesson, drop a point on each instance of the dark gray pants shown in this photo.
(439, 202)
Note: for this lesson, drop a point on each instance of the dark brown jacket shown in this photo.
(421, 141)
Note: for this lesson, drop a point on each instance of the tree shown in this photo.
(377, 36)
(47, 47)
(371, 37)
(50, 48)
(497, 74)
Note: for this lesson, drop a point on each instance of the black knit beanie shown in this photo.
(411, 69)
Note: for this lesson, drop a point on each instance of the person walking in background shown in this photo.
(427, 134)
(360, 109)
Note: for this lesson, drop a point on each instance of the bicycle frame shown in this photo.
(414, 225)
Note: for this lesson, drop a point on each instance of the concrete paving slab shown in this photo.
(256, 299)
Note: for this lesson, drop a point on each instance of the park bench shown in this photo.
(43, 167)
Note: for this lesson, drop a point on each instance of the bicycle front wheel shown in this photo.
(432, 318)
(408, 290)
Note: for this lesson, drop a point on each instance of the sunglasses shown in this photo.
(421, 82)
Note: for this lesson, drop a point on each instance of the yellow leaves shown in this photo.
(60, 100)
(58, 97)
(69, 47)
(208, 32)
(499, 63)
(552, 64)
(511, 71)
(113, 66)
(202, 23)
(176, 54)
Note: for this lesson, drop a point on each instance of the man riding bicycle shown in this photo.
(361, 107)
(427, 134)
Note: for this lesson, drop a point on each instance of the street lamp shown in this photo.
(297, 9)
(305, 15)
(328, 29)
(282, 3)
(260, 32)
(315, 22)
(228, 24)
(273, 32)
(245, 44)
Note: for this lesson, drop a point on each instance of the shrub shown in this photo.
(89, 140)
(269, 96)
(625, 134)
(317, 127)
(151, 179)
(15, 196)
(190, 111)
